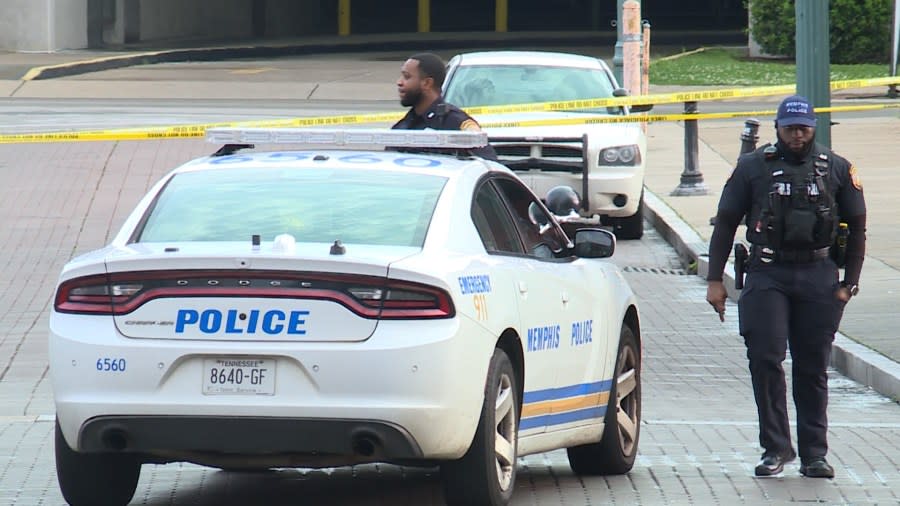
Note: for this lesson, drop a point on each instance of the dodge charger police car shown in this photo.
(332, 306)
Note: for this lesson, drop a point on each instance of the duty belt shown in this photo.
(788, 256)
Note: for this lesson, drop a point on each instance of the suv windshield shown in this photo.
(313, 205)
(478, 85)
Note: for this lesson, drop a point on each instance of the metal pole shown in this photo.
(750, 136)
(895, 48)
(617, 55)
(501, 15)
(343, 17)
(691, 179)
(813, 61)
(424, 16)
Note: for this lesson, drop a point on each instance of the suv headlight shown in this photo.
(620, 155)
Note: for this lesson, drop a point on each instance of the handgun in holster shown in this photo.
(741, 255)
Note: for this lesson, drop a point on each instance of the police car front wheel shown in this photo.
(616, 451)
(486, 474)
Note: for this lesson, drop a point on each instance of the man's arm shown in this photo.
(719, 249)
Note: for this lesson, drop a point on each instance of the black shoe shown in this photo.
(773, 463)
(816, 467)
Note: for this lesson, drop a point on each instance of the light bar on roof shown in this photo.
(349, 137)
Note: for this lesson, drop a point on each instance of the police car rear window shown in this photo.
(313, 205)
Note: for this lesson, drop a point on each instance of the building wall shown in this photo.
(201, 19)
(287, 18)
(229, 19)
(43, 25)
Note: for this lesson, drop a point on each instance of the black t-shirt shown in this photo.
(443, 116)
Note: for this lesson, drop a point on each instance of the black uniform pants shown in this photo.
(792, 305)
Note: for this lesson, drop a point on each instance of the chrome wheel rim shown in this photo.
(627, 400)
(505, 432)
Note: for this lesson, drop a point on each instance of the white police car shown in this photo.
(330, 307)
(603, 162)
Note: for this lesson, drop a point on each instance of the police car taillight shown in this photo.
(93, 294)
(366, 296)
(405, 301)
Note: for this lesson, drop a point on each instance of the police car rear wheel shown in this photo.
(95, 479)
(615, 452)
(486, 474)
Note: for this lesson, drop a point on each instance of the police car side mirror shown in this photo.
(594, 243)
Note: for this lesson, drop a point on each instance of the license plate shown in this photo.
(238, 376)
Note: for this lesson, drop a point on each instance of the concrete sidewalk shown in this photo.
(868, 349)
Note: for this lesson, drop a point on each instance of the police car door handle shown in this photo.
(523, 287)
(565, 297)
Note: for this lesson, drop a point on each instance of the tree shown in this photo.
(860, 29)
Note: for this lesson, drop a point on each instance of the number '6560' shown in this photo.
(111, 364)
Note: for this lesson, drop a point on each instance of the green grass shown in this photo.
(731, 66)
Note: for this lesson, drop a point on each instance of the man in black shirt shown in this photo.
(419, 86)
(794, 195)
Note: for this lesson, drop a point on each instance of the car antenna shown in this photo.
(338, 248)
(230, 149)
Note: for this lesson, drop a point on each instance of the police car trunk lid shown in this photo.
(232, 293)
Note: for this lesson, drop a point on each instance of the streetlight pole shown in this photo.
(618, 55)
(814, 60)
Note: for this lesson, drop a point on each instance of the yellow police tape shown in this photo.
(649, 118)
(198, 130)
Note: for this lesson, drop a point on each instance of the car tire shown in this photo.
(631, 227)
(486, 474)
(95, 479)
(616, 451)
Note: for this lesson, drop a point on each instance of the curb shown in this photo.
(412, 42)
(276, 50)
(852, 359)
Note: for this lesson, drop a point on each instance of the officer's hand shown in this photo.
(843, 294)
(716, 295)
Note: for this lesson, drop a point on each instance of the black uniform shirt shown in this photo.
(443, 116)
(746, 192)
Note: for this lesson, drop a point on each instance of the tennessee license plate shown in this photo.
(238, 376)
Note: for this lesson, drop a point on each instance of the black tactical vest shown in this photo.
(800, 212)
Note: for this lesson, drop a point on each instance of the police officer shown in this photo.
(794, 195)
(419, 86)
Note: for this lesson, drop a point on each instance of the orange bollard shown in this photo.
(631, 47)
(645, 61)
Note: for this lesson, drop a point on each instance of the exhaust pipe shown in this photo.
(115, 439)
(365, 444)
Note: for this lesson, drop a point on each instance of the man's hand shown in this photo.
(843, 294)
(716, 295)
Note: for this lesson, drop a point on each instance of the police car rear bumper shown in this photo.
(193, 435)
(424, 379)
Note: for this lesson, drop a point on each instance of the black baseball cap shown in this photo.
(795, 110)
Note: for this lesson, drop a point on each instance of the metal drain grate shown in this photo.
(655, 270)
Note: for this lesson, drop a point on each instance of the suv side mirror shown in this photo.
(594, 243)
(622, 92)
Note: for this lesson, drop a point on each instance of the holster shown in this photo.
(741, 255)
